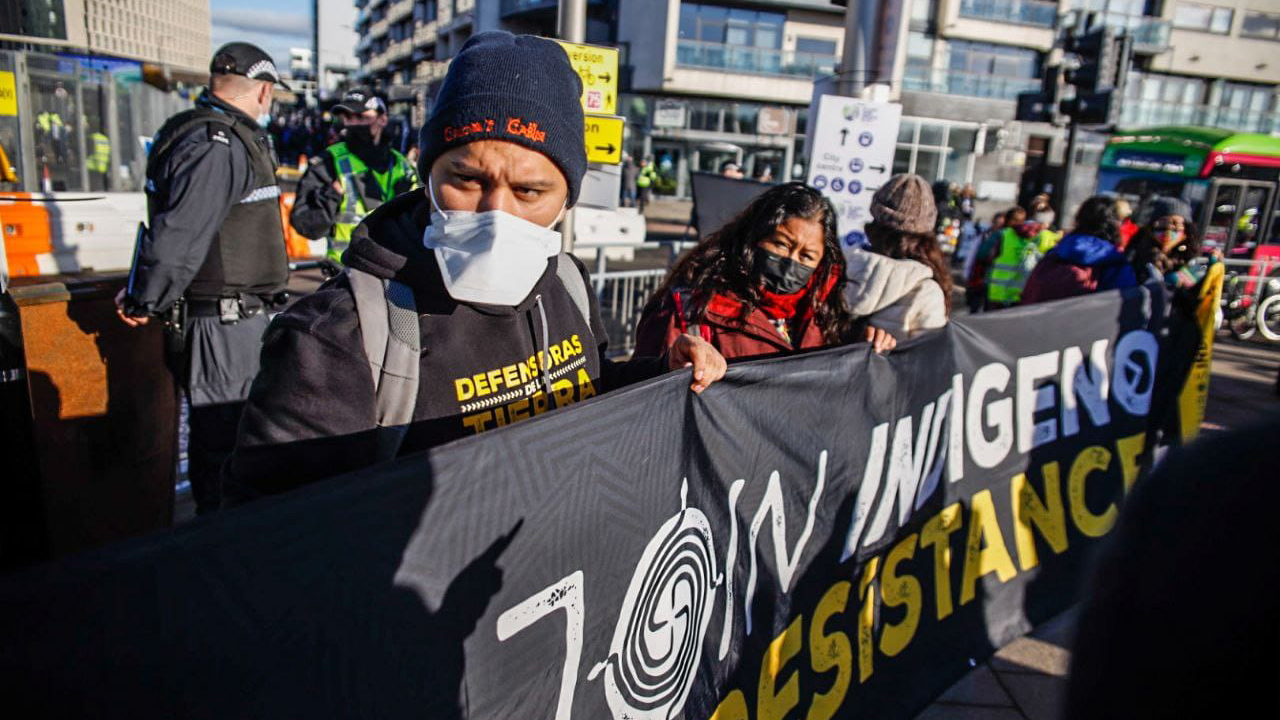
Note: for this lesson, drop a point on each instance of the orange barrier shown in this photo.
(296, 245)
(27, 233)
(105, 412)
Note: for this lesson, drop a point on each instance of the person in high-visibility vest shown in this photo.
(353, 176)
(1021, 247)
(99, 160)
(644, 182)
(53, 132)
(50, 123)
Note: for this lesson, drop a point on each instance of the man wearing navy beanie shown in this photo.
(457, 314)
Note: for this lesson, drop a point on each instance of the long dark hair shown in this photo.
(921, 247)
(1098, 217)
(725, 261)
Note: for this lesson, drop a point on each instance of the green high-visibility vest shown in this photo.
(1018, 257)
(353, 209)
(47, 121)
(646, 177)
(99, 160)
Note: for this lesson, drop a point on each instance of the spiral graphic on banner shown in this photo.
(657, 642)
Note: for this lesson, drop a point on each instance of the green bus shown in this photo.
(1231, 180)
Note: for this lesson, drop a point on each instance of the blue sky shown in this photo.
(274, 26)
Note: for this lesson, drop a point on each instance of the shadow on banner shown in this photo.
(833, 534)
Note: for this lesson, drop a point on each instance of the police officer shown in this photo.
(352, 177)
(213, 261)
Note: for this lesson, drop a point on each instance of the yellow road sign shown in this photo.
(9, 94)
(598, 68)
(604, 138)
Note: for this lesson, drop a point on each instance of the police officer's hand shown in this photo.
(881, 341)
(337, 187)
(129, 320)
(692, 351)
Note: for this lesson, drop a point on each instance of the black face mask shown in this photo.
(781, 275)
(358, 137)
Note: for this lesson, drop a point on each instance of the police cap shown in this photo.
(242, 58)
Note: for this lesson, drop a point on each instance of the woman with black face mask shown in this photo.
(769, 281)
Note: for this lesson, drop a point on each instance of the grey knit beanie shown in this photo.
(905, 204)
(517, 88)
(1166, 206)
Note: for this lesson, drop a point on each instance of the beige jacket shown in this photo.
(901, 296)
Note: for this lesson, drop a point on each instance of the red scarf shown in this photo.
(796, 308)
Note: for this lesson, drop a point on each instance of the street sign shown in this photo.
(8, 94)
(598, 68)
(604, 138)
(851, 156)
(669, 114)
(773, 120)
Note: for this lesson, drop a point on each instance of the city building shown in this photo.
(963, 63)
(334, 41)
(173, 33)
(90, 81)
(711, 81)
(170, 32)
(301, 64)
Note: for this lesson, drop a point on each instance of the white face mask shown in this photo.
(491, 257)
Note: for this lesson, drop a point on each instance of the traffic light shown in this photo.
(1042, 106)
(1101, 53)
(1097, 69)
(1100, 108)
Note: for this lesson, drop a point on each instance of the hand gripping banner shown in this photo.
(837, 534)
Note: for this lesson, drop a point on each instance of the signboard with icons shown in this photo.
(851, 157)
(598, 68)
(669, 114)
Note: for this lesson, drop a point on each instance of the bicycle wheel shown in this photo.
(1269, 318)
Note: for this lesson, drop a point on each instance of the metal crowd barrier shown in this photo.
(623, 296)
(623, 293)
(1253, 272)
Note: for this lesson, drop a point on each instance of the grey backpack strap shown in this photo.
(393, 344)
(573, 282)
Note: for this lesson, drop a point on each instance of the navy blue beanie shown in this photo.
(517, 88)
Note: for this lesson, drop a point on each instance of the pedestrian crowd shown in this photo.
(452, 310)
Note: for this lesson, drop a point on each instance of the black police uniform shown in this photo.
(216, 252)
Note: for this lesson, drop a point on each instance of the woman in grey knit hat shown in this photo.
(902, 282)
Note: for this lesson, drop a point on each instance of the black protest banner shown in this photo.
(831, 535)
(717, 199)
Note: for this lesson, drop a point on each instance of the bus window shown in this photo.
(1137, 187)
(1252, 211)
(1217, 231)
(1273, 237)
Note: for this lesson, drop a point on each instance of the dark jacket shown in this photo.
(758, 335)
(316, 203)
(310, 413)
(203, 174)
(1079, 265)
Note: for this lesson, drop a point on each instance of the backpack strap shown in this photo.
(392, 339)
(683, 300)
(573, 282)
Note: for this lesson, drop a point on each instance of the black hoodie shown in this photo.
(310, 413)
